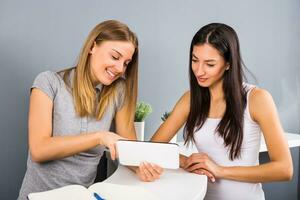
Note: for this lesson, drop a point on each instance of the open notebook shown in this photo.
(107, 191)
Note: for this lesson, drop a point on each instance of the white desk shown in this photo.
(173, 184)
(178, 184)
(293, 141)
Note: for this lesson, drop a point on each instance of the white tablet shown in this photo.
(132, 153)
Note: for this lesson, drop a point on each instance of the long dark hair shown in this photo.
(225, 40)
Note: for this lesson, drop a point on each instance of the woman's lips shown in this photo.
(110, 74)
(202, 80)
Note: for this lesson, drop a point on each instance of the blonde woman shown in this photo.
(71, 111)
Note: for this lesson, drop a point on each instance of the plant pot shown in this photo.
(139, 130)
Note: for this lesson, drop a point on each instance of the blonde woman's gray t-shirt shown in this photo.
(77, 169)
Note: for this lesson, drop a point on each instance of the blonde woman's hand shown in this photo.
(109, 140)
(148, 172)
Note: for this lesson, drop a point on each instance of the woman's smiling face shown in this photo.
(208, 65)
(109, 60)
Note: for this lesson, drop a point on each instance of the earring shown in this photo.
(227, 68)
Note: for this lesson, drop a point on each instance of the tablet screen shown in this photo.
(132, 153)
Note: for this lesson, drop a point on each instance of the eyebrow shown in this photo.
(129, 60)
(210, 60)
(117, 52)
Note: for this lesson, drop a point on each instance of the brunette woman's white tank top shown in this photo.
(208, 141)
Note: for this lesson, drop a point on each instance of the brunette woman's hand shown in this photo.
(201, 163)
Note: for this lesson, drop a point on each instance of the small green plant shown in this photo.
(165, 116)
(142, 111)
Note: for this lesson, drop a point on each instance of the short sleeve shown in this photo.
(47, 82)
(121, 91)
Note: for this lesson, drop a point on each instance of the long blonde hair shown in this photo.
(83, 91)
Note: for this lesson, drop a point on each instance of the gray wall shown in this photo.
(40, 35)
